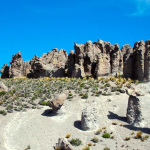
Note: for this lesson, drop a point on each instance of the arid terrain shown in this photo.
(28, 122)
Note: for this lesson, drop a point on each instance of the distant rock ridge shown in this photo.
(90, 59)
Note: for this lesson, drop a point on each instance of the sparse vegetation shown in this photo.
(76, 142)
(95, 139)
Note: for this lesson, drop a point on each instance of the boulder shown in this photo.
(52, 64)
(89, 118)
(63, 144)
(57, 103)
(3, 87)
(138, 112)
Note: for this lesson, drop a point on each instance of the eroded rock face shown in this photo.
(17, 67)
(89, 118)
(57, 103)
(52, 64)
(97, 59)
(127, 51)
(63, 144)
(89, 59)
(136, 61)
(5, 71)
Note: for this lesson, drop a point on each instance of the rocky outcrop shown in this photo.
(127, 51)
(5, 71)
(52, 64)
(89, 118)
(17, 67)
(90, 59)
(136, 61)
(97, 59)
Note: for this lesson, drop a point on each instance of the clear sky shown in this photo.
(35, 27)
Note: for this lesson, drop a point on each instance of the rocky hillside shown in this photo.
(89, 59)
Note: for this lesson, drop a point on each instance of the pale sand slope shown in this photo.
(41, 132)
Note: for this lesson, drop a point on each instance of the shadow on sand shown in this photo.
(49, 113)
(144, 130)
(130, 127)
(115, 116)
(77, 124)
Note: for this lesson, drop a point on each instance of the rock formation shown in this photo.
(89, 118)
(97, 59)
(89, 59)
(52, 64)
(136, 61)
(63, 144)
(5, 71)
(17, 67)
(138, 108)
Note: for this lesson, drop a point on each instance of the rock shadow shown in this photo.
(77, 124)
(115, 116)
(49, 113)
(144, 130)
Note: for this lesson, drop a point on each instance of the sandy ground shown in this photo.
(41, 130)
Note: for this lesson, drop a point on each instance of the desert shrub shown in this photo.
(68, 135)
(44, 103)
(86, 148)
(138, 135)
(2, 93)
(3, 112)
(106, 148)
(106, 135)
(127, 138)
(98, 131)
(82, 85)
(95, 139)
(76, 142)
(85, 96)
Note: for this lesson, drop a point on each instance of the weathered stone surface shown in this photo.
(90, 59)
(18, 67)
(3, 87)
(5, 71)
(57, 103)
(63, 144)
(52, 64)
(147, 61)
(127, 51)
(71, 63)
(89, 118)
(138, 108)
(97, 59)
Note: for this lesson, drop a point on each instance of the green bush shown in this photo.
(44, 103)
(106, 135)
(85, 96)
(76, 142)
(3, 112)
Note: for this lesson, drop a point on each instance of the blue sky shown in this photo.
(35, 27)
